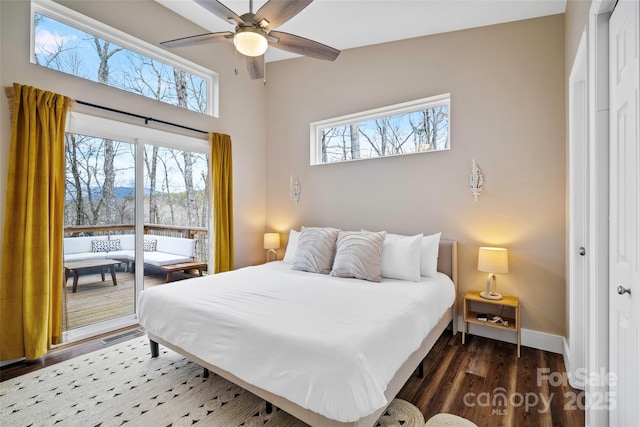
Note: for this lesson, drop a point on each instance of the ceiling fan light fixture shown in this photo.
(250, 41)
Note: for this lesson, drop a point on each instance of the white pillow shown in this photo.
(401, 257)
(292, 245)
(429, 255)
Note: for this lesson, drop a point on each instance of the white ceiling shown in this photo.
(345, 24)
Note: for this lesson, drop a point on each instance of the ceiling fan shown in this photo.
(255, 32)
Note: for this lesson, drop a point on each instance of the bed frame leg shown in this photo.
(421, 370)
(269, 408)
(205, 373)
(155, 349)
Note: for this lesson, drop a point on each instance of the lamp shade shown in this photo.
(493, 260)
(271, 240)
(250, 42)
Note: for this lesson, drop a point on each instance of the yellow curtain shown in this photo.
(222, 188)
(32, 256)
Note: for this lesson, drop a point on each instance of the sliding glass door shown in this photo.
(136, 215)
(176, 212)
(99, 229)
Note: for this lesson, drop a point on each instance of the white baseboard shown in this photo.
(528, 338)
(9, 362)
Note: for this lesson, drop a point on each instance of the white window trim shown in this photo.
(91, 26)
(100, 127)
(316, 128)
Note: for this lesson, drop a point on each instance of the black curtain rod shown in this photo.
(146, 119)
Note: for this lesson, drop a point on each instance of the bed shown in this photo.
(330, 351)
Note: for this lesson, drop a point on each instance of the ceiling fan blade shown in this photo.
(220, 10)
(277, 12)
(197, 40)
(255, 66)
(302, 46)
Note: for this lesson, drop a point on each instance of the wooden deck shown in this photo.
(95, 300)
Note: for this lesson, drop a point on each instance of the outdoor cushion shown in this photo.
(175, 245)
(74, 245)
(163, 258)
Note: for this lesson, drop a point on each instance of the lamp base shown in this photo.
(275, 255)
(491, 295)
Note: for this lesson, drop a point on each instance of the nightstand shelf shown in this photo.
(473, 298)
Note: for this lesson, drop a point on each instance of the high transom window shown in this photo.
(67, 41)
(419, 126)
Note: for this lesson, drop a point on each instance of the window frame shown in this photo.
(317, 127)
(96, 28)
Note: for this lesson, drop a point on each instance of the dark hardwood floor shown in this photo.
(482, 381)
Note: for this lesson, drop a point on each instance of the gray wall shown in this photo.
(507, 90)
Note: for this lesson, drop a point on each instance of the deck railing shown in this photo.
(200, 234)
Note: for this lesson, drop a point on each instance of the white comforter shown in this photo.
(328, 344)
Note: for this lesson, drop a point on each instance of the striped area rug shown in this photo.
(123, 385)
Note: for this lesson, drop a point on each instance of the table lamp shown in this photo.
(271, 243)
(493, 261)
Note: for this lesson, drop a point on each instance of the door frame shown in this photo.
(597, 301)
(579, 214)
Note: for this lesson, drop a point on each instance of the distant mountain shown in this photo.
(120, 193)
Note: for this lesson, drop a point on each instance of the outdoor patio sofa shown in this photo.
(160, 252)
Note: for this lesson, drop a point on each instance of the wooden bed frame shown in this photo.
(447, 264)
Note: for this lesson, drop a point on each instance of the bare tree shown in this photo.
(187, 172)
(74, 187)
(355, 141)
(108, 191)
(166, 185)
(151, 163)
(197, 89)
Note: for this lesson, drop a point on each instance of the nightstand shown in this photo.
(472, 307)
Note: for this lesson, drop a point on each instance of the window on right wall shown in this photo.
(419, 126)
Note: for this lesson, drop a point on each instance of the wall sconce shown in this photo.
(476, 181)
(492, 261)
(271, 243)
(294, 189)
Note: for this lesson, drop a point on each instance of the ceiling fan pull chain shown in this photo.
(264, 73)
(236, 67)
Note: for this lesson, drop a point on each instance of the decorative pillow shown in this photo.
(429, 255)
(150, 245)
(401, 257)
(113, 245)
(292, 245)
(359, 255)
(99, 246)
(316, 249)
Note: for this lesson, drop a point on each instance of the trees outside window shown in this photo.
(175, 193)
(414, 127)
(65, 48)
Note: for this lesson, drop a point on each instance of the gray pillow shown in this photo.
(316, 249)
(359, 255)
